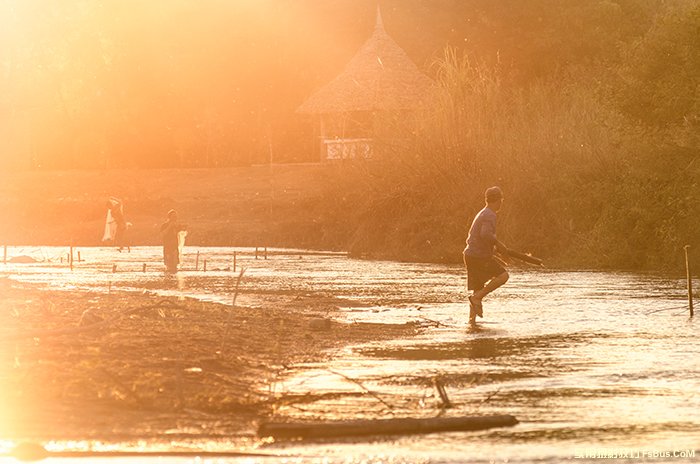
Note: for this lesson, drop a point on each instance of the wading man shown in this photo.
(485, 272)
(170, 230)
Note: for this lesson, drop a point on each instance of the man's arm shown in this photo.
(488, 231)
(501, 247)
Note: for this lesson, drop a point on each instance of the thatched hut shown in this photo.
(379, 78)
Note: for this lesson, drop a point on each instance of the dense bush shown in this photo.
(596, 172)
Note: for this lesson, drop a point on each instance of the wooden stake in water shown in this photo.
(230, 313)
(265, 252)
(256, 252)
(689, 275)
(70, 258)
(234, 261)
(144, 267)
(114, 268)
(205, 266)
(79, 258)
(196, 262)
(446, 403)
(4, 254)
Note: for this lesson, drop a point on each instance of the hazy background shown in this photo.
(118, 83)
(585, 112)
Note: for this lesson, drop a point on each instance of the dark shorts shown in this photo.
(481, 270)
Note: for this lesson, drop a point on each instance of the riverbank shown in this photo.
(278, 205)
(305, 206)
(134, 366)
(309, 206)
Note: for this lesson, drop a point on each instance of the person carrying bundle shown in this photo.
(115, 225)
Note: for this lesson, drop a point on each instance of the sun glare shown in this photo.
(96, 84)
(229, 223)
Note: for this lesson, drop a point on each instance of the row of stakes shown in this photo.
(69, 258)
(196, 266)
(204, 261)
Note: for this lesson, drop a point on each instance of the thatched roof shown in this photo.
(379, 77)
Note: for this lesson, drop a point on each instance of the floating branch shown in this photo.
(358, 383)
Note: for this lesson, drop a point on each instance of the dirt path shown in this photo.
(130, 366)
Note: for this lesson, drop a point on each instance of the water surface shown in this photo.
(589, 362)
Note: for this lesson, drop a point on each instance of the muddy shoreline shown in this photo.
(133, 366)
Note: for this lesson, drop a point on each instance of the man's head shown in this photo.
(172, 215)
(494, 197)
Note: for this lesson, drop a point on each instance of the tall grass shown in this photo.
(570, 166)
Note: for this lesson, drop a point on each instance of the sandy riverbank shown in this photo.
(133, 366)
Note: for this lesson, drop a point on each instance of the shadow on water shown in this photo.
(479, 348)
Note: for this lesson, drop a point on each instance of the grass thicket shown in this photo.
(585, 185)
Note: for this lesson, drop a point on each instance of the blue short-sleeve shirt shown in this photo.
(482, 235)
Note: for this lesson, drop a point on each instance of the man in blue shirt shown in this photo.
(485, 272)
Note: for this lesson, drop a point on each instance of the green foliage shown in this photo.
(586, 113)
(186, 83)
(661, 70)
(585, 185)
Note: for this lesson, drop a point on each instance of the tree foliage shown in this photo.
(599, 159)
(585, 112)
(123, 83)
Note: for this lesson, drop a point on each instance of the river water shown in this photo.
(591, 363)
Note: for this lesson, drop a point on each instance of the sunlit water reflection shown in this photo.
(587, 361)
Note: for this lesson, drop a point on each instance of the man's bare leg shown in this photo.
(492, 285)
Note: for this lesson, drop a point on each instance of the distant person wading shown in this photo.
(485, 272)
(172, 241)
(116, 226)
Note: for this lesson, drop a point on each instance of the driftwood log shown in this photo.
(383, 426)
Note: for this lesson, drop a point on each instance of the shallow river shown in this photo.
(591, 363)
